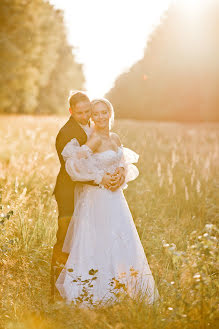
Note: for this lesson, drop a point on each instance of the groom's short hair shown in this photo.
(76, 97)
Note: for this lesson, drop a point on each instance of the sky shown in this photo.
(109, 36)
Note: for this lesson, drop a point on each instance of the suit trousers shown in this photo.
(58, 256)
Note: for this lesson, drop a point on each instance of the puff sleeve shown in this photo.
(79, 163)
(128, 158)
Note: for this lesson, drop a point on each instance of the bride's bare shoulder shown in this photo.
(116, 138)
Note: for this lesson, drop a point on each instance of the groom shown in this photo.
(78, 126)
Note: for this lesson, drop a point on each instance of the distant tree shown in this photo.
(178, 76)
(66, 75)
(33, 46)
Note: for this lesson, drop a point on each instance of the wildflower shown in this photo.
(122, 275)
(161, 181)
(133, 272)
(186, 193)
(198, 186)
(170, 308)
(173, 246)
(209, 226)
(173, 159)
(158, 169)
(169, 174)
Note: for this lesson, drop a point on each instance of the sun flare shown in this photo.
(193, 5)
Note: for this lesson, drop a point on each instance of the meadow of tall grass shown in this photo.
(175, 209)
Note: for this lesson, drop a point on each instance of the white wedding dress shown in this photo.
(102, 235)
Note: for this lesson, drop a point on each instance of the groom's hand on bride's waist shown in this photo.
(113, 181)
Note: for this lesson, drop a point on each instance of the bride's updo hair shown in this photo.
(109, 107)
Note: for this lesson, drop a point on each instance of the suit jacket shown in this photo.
(64, 187)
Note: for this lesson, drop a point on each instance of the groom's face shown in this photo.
(82, 112)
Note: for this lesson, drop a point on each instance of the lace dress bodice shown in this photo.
(108, 160)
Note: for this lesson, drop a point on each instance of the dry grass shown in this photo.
(171, 201)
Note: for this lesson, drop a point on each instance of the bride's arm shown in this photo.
(116, 138)
(80, 164)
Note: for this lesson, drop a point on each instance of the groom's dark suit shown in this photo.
(64, 188)
(64, 193)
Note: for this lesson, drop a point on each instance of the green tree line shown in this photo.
(178, 76)
(37, 65)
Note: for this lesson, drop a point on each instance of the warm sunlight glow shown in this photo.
(193, 5)
(110, 35)
(193, 10)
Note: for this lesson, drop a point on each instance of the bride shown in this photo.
(105, 252)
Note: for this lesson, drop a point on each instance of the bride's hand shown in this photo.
(116, 179)
(106, 180)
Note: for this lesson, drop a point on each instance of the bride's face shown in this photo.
(100, 115)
